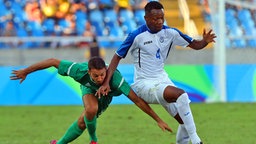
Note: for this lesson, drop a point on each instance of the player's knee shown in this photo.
(171, 94)
(183, 99)
(90, 112)
(180, 91)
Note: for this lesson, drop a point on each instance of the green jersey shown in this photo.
(79, 72)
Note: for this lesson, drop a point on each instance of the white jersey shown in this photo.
(150, 50)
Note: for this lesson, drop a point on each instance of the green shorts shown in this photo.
(103, 104)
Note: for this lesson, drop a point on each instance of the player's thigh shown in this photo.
(90, 103)
(146, 90)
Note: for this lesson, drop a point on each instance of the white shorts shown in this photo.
(152, 90)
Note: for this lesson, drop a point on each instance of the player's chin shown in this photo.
(157, 29)
(99, 83)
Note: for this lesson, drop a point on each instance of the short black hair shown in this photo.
(153, 5)
(96, 63)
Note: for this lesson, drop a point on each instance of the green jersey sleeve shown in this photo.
(118, 83)
(86, 90)
(75, 70)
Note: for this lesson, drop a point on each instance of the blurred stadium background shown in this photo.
(33, 30)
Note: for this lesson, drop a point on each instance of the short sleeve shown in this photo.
(118, 83)
(72, 69)
(85, 90)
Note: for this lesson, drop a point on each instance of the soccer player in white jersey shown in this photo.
(150, 45)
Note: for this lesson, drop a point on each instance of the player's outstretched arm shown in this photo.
(208, 37)
(22, 74)
(147, 109)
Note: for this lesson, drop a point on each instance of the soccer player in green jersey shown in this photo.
(91, 76)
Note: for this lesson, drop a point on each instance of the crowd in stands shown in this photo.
(96, 18)
(38, 18)
(240, 22)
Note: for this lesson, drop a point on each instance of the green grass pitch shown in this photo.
(217, 123)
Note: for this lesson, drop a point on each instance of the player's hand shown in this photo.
(164, 126)
(209, 36)
(103, 90)
(18, 74)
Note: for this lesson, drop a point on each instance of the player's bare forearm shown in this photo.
(112, 67)
(198, 44)
(208, 37)
(22, 74)
(147, 109)
(43, 65)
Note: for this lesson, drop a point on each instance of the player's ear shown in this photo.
(145, 17)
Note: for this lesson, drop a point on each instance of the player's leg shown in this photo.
(74, 131)
(164, 92)
(171, 94)
(182, 136)
(152, 92)
(90, 118)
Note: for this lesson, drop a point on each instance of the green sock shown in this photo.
(91, 127)
(71, 134)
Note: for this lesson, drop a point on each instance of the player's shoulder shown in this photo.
(170, 29)
(139, 30)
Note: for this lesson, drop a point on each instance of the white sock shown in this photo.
(182, 136)
(187, 117)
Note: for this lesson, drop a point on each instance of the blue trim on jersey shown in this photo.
(186, 37)
(124, 48)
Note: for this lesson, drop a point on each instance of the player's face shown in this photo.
(155, 19)
(98, 75)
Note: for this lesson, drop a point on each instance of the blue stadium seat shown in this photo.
(237, 31)
(81, 20)
(80, 27)
(128, 26)
(20, 17)
(245, 19)
(243, 14)
(128, 23)
(232, 24)
(125, 15)
(230, 14)
(62, 24)
(15, 7)
(249, 28)
(35, 29)
(96, 19)
(21, 32)
(80, 15)
(116, 32)
(96, 16)
(139, 17)
(3, 11)
(110, 18)
(48, 26)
